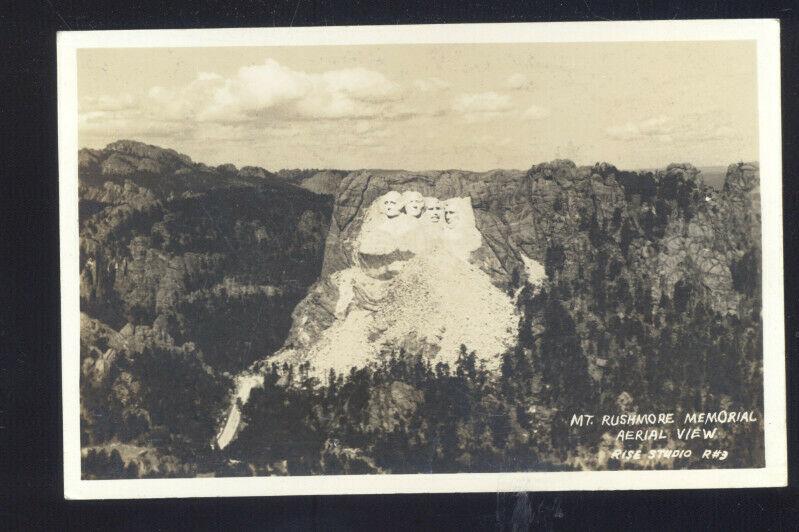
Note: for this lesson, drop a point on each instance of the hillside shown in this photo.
(190, 274)
(181, 262)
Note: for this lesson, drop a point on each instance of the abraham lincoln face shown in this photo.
(391, 204)
(414, 202)
(451, 212)
(433, 210)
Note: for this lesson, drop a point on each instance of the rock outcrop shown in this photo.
(517, 215)
(155, 246)
(434, 305)
(219, 268)
(544, 222)
(189, 267)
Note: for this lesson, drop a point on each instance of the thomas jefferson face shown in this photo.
(451, 212)
(390, 204)
(433, 210)
(413, 203)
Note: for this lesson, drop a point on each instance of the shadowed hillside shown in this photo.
(189, 274)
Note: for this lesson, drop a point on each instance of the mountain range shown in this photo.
(192, 273)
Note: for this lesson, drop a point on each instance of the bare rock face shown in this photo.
(163, 237)
(89, 161)
(428, 281)
(250, 266)
(705, 247)
(255, 171)
(325, 182)
(555, 217)
(100, 346)
(419, 295)
(492, 194)
(355, 192)
(516, 214)
(130, 156)
(742, 192)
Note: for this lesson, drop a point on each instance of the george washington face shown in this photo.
(433, 210)
(413, 203)
(391, 204)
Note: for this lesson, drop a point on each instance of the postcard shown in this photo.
(411, 259)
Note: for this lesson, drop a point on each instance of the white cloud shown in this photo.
(667, 130)
(480, 106)
(659, 127)
(535, 112)
(430, 84)
(205, 76)
(273, 91)
(118, 102)
(517, 81)
(268, 100)
(359, 83)
(482, 102)
(118, 124)
(724, 132)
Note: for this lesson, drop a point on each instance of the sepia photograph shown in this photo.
(489, 257)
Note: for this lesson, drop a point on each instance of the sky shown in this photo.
(424, 107)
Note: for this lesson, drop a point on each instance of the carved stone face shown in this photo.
(433, 210)
(413, 203)
(451, 212)
(391, 204)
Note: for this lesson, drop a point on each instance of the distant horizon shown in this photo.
(422, 106)
(275, 170)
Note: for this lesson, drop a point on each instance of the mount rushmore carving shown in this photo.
(192, 277)
(411, 284)
(408, 222)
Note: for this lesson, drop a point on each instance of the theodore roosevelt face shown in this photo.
(413, 203)
(433, 210)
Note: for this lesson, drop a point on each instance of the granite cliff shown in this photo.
(209, 270)
(558, 214)
(624, 234)
(188, 274)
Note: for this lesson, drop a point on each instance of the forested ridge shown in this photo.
(190, 273)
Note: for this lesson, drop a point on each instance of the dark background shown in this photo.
(31, 493)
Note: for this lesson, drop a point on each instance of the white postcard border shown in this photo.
(765, 32)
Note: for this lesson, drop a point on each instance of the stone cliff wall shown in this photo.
(517, 213)
(205, 264)
(563, 216)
